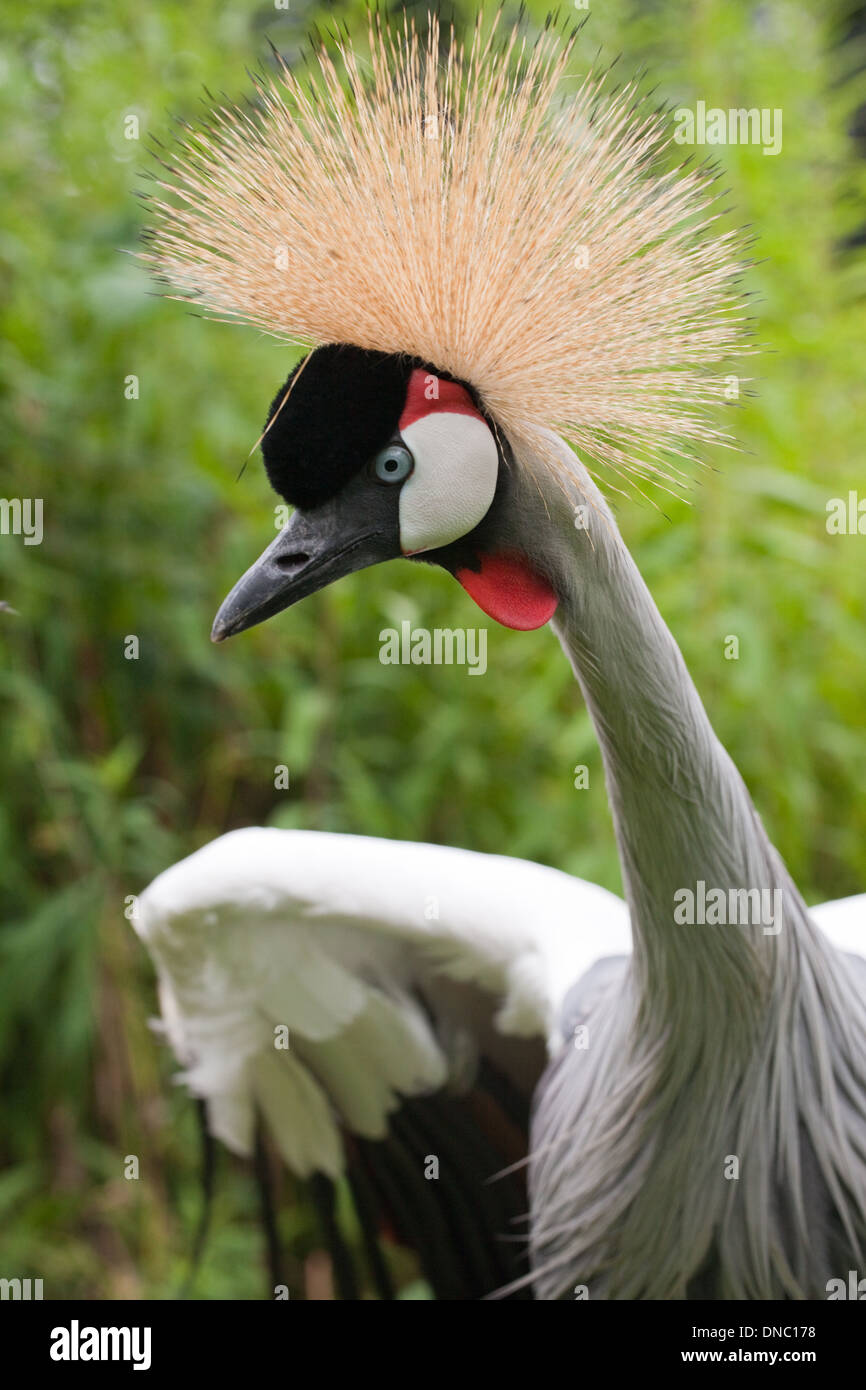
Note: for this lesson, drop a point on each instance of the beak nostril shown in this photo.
(289, 563)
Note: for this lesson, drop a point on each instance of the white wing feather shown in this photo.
(844, 923)
(337, 941)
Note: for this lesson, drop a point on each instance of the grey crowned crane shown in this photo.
(483, 268)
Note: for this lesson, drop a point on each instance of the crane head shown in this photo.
(382, 457)
(461, 211)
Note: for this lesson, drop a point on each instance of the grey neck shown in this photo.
(690, 842)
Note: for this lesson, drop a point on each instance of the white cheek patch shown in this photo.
(452, 486)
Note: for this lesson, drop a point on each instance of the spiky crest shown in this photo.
(476, 207)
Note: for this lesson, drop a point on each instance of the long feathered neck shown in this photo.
(735, 1038)
(686, 828)
(690, 842)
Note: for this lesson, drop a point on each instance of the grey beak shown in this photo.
(313, 549)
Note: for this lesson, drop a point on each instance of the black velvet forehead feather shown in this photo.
(343, 406)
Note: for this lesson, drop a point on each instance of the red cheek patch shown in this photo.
(509, 590)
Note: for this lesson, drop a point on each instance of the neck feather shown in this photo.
(712, 906)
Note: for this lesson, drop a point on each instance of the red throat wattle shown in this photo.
(508, 589)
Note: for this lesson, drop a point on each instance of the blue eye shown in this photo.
(392, 464)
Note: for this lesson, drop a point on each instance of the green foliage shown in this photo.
(114, 768)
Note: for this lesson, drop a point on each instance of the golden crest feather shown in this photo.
(478, 207)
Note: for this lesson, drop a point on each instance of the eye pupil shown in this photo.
(393, 464)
